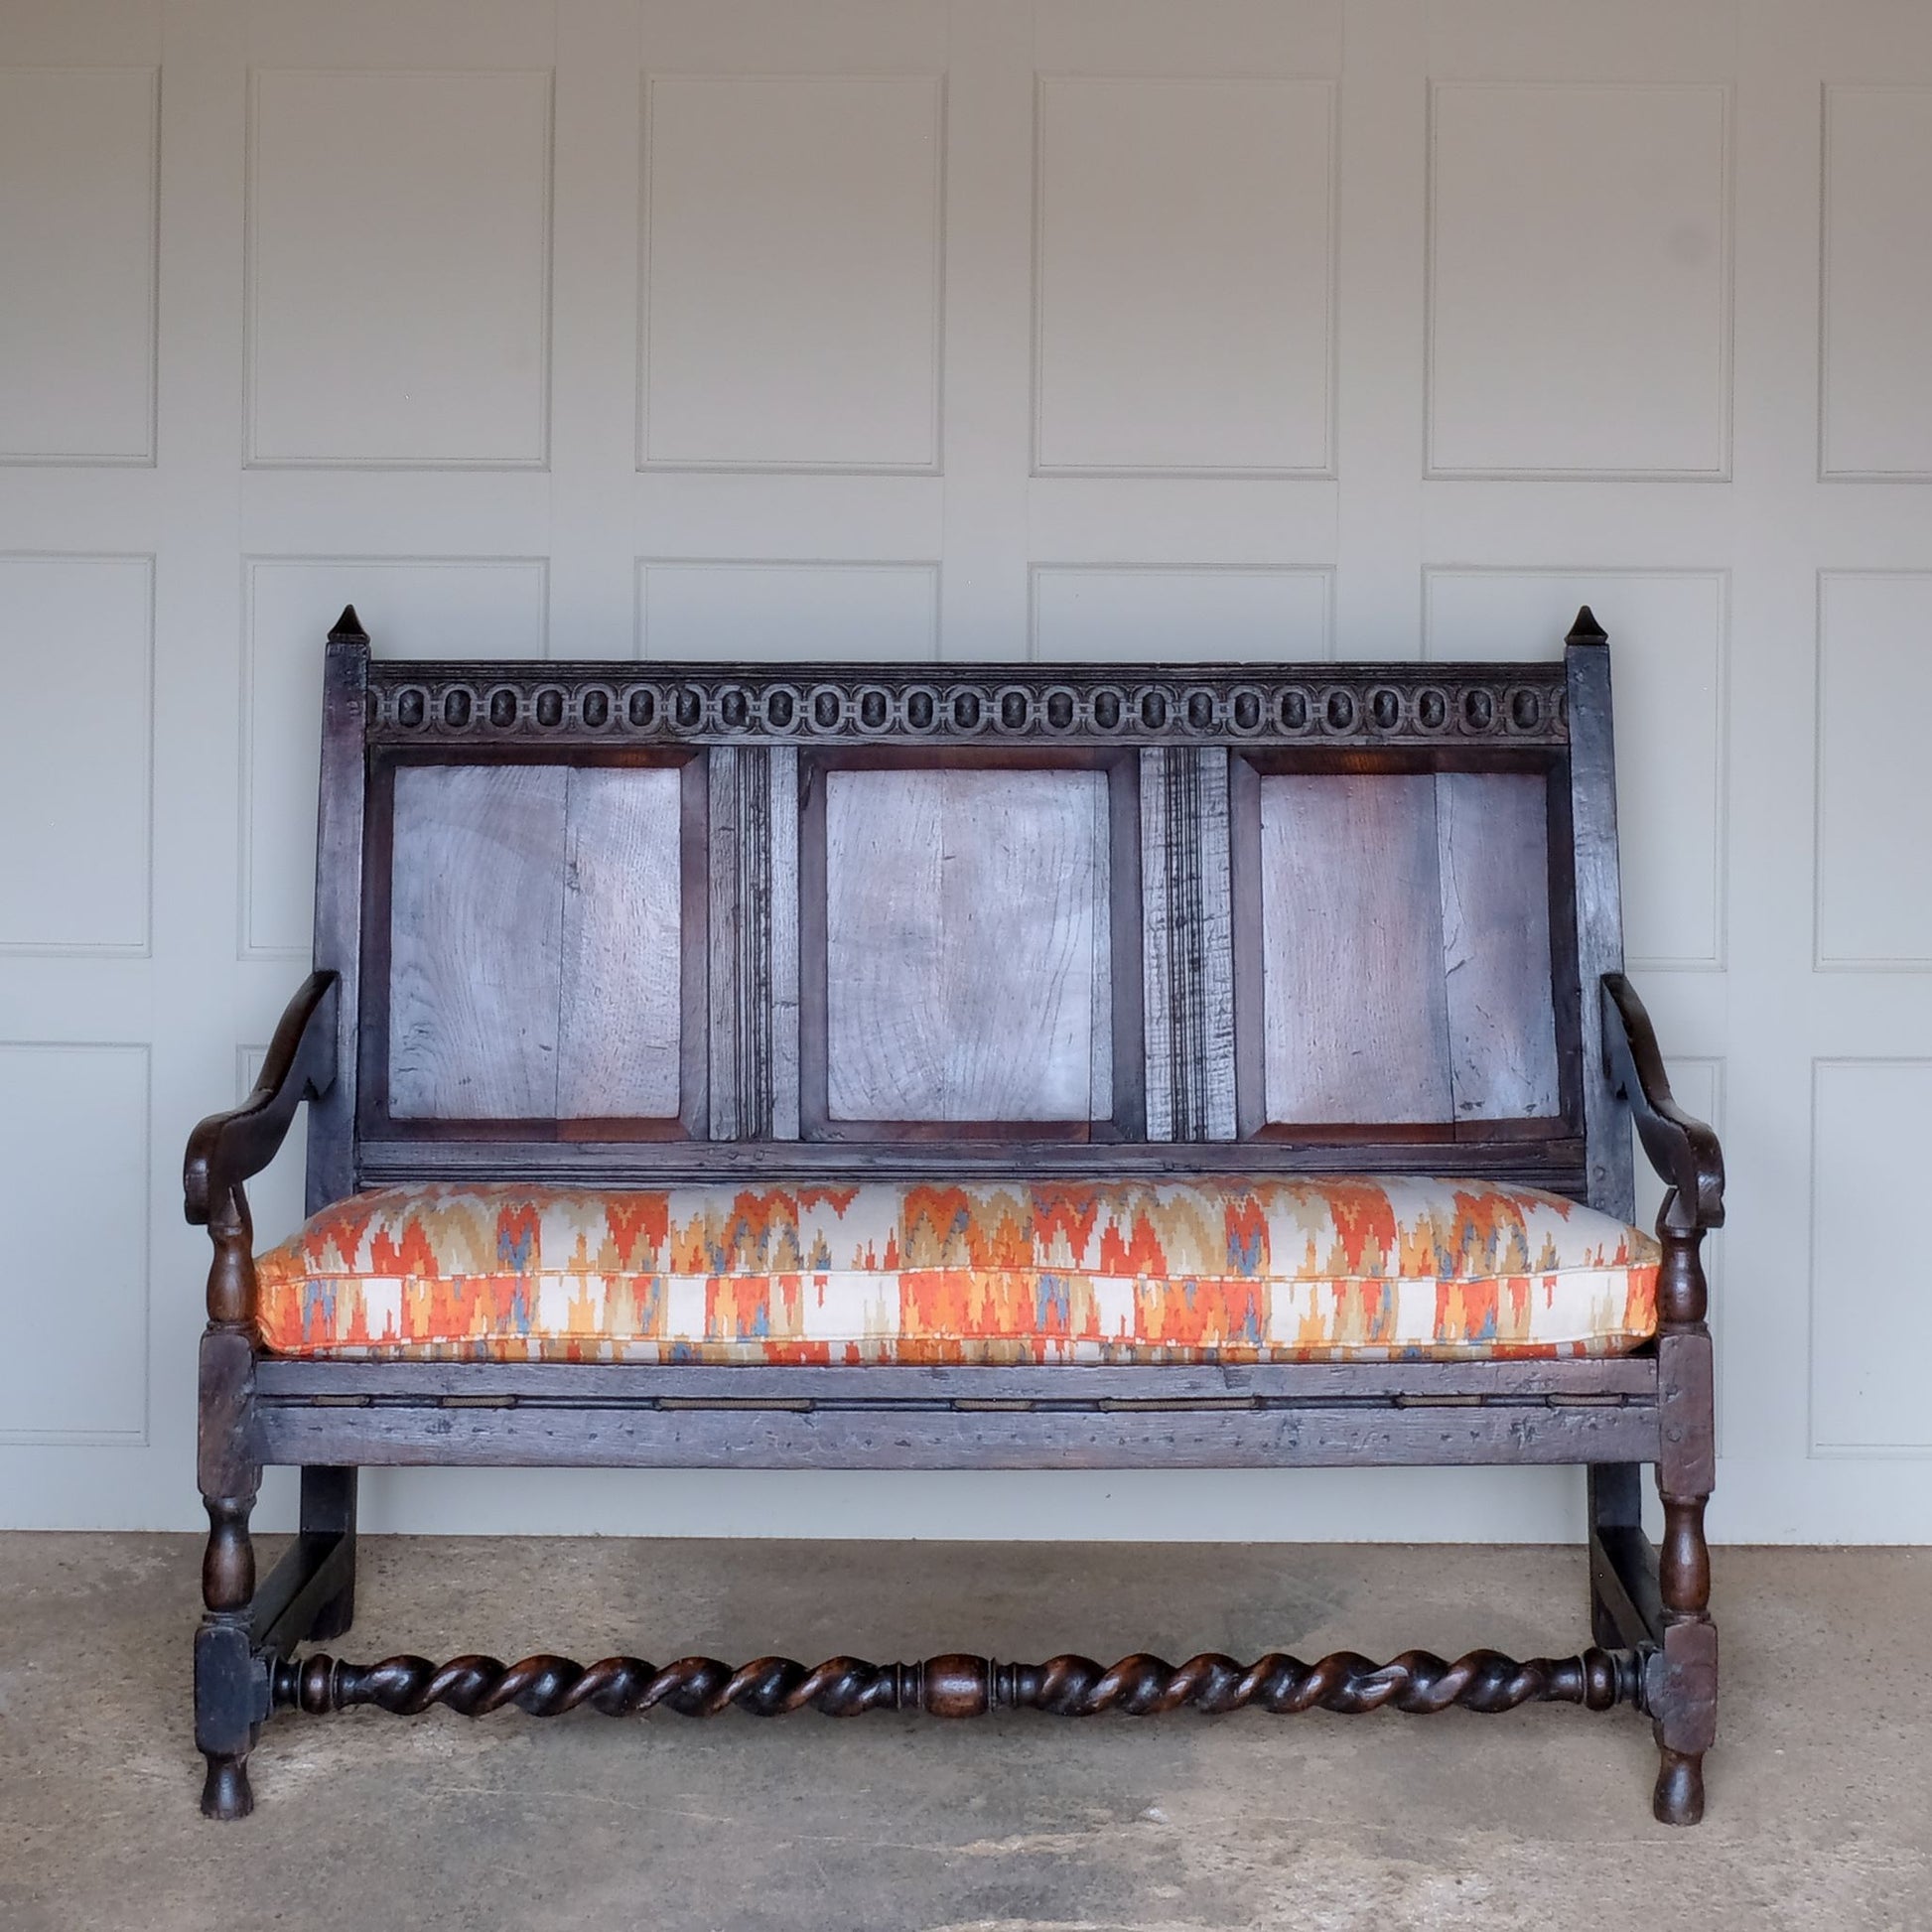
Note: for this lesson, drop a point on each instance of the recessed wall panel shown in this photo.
(1877, 390)
(411, 607)
(399, 268)
(78, 237)
(1088, 613)
(1669, 650)
(1870, 1315)
(74, 1146)
(1579, 281)
(792, 245)
(732, 610)
(1183, 276)
(77, 639)
(968, 974)
(1874, 781)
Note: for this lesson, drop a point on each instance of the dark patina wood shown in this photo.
(1188, 1434)
(1417, 1683)
(1299, 920)
(1075, 1384)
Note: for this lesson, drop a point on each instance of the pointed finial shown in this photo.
(348, 627)
(1585, 630)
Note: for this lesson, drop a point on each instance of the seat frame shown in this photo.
(1654, 1644)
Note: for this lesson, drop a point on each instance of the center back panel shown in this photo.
(967, 955)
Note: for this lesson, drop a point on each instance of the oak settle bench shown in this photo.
(1007, 1066)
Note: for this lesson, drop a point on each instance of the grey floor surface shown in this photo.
(1821, 1796)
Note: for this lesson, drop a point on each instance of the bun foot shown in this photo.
(226, 1793)
(1679, 1798)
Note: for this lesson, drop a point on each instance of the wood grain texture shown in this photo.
(477, 960)
(300, 1596)
(1493, 852)
(862, 1439)
(1554, 1163)
(1357, 1023)
(1599, 910)
(535, 970)
(618, 1027)
(1529, 1379)
(227, 1148)
(753, 942)
(957, 1685)
(1682, 1150)
(339, 901)
(1128, 1021)
(967, 933)
(1187, 945)
(1399, 881)
(329, 1512)
(1249, 948)
(591, 705)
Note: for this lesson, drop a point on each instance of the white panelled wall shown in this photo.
(1260, 329)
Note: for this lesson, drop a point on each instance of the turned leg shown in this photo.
(225, 1715)
(329, 1509)
(229, 1706)
(1685, 1699)
(1687, 1711)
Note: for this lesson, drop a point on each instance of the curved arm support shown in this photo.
(1684, 1151)
(226, 1149)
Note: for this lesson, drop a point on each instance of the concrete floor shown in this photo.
(1821, 1796)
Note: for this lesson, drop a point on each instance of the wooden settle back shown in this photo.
(611, 922)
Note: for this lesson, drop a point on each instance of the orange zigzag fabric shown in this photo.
(1354, 1268)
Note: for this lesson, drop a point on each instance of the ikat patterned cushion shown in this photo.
(978, 1271)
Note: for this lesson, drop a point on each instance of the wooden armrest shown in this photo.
(1685, 1152)
(226, 1149)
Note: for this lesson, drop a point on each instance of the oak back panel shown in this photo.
(617, 922)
